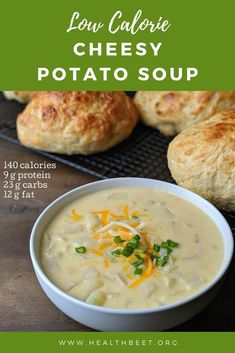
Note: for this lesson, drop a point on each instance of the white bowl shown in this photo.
(107, 319)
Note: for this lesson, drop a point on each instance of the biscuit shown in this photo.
(202, 159)
(171, 112)
(76, 122)
(20, 96)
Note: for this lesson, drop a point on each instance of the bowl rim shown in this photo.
(188, 195)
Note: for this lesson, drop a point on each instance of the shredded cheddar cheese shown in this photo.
(124, 233)
(107, 236)
(116, 216)
(116, 245)
(125, 214)
(104, 246)
(135, 224)
(145, 238)
(138, 214)
(104, 216)
(75, 216)
(147, 273)
(128, 236)
(118, 224)
(97, 252)
(106, 263)
(131, 258)
(126, 211)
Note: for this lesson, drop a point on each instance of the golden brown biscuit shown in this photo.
(74, 122)
(202, 159)
(171, 112)
(20, 96)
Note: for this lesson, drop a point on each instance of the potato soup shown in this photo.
(131, 248)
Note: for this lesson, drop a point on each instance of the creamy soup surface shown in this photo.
(131, 248)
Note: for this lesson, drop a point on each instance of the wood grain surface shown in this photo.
(23, 305)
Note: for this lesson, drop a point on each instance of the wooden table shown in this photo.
(23, 305)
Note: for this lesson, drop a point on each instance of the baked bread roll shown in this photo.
(20, 96)
(202, 159)
(171, 112)
(76, 122)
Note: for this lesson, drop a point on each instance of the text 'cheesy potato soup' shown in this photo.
(131, 248)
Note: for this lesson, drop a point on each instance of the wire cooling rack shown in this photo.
(143, 154)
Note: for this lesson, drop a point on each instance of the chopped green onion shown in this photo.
(127, 251)
(135, 240)
(139, 257)
(161, 252)
(169, 244)
(117, 239)
(162, 260)
(140, 250)
(138, 262)
(156, 247)
(138, 271)
(117, 252)
(135, 217)
(80, 250)
(155, 257)
(131, 246)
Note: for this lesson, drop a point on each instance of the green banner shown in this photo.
(174, 342)
(117, 45)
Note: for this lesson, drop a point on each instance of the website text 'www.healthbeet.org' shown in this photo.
(118, 342)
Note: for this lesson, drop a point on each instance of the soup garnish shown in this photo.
(131, 248)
